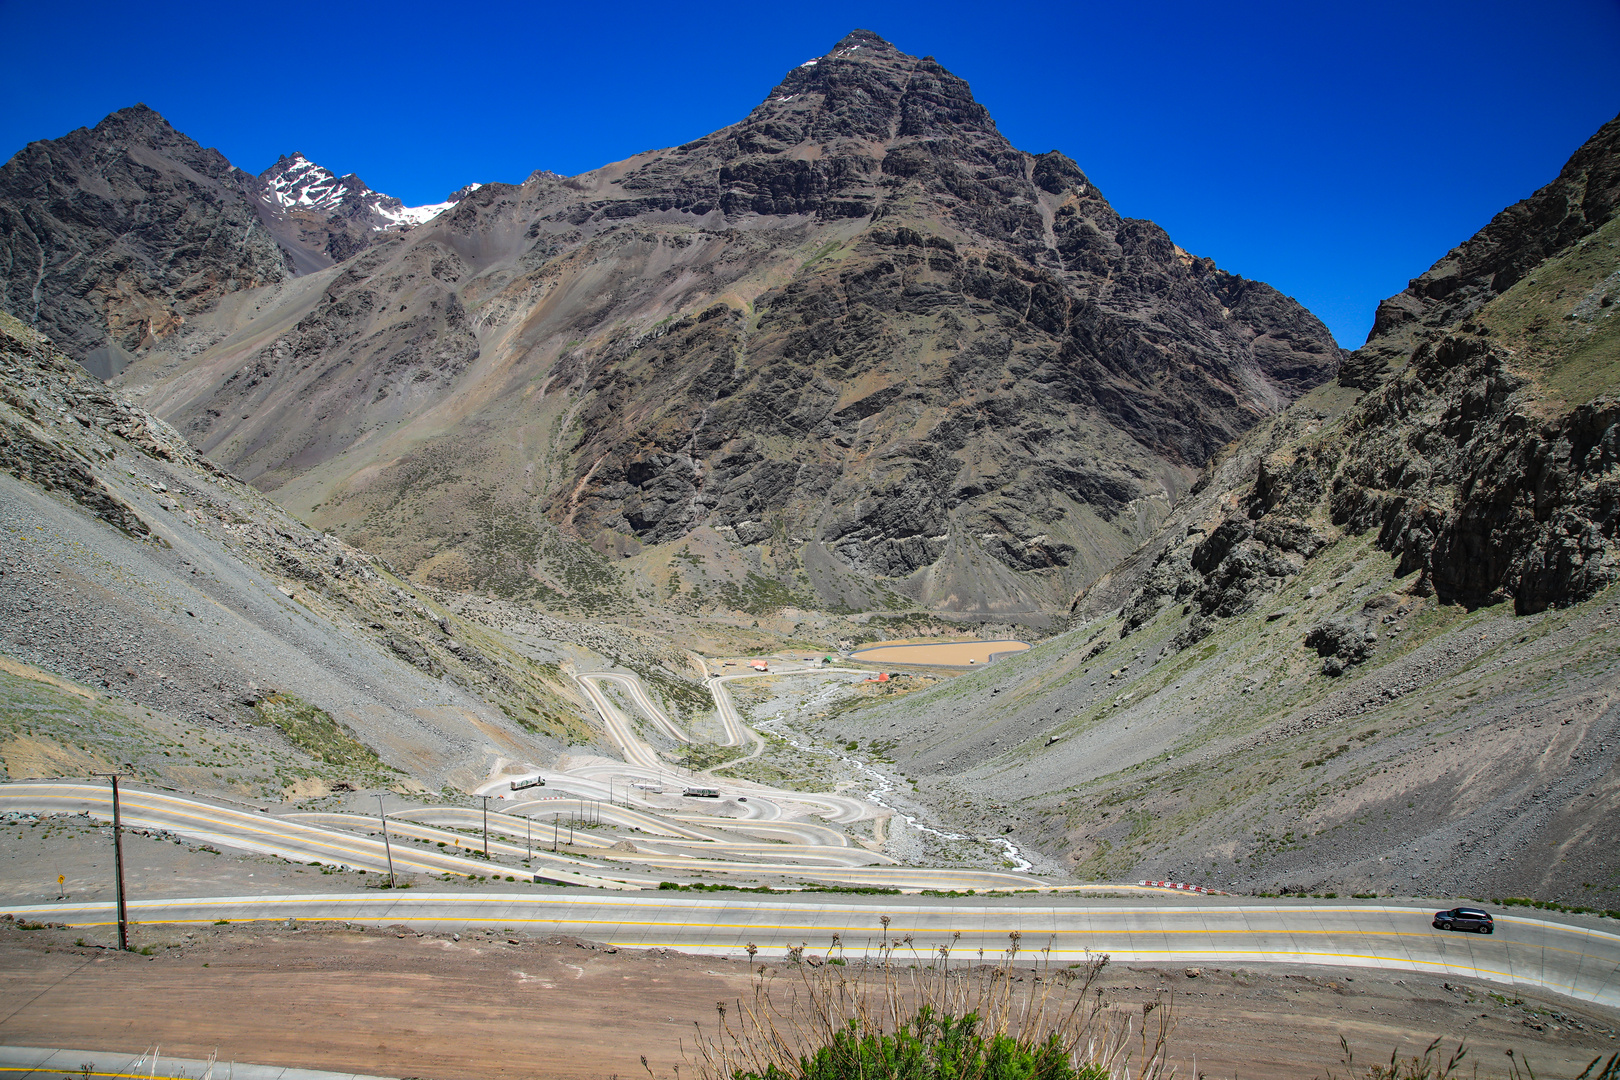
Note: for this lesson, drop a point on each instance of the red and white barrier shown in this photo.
(1179, 885)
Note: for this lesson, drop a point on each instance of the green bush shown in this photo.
(1553, 905)
(933, 1021)
(932, 1046)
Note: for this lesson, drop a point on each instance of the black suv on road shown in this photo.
(1464, 918)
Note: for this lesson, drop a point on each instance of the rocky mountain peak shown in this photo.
(865, 88)
(294, 181)
(859, 38)
(138, 123)
(320, 218)
(113, 236)
(864, 129)
(965, 380)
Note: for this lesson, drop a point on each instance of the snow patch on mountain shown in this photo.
(401, 214)
(296, 183)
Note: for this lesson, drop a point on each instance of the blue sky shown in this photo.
(1334, 150)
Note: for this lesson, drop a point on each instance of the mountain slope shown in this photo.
(887, 359)
(163, 585)
(113, 236)
(1583, 196)
(1374, 649)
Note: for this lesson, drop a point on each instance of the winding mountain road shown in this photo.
(349, 840)
(1571, 960)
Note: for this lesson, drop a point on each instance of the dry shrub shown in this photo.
(921, 1018)
(1433, 1064)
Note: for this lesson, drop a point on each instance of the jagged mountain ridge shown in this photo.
(113, 236)
(320, 218)
(884, 355)
(1476, 440)
(1581, 198)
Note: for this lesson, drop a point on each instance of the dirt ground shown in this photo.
(500, 1004)
(947, 654)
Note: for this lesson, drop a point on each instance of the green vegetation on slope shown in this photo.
(1561, 319)
(314, 731)
(51, 727)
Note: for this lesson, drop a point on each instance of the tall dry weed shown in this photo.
(898, 1013)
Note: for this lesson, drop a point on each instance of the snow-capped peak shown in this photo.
(297, 183)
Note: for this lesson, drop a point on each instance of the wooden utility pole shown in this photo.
(486, 825)
(118, 865)
(386, 847)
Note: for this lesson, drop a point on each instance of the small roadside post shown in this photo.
(386, 846)
(118, 865)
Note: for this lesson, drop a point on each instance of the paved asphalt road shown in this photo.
(258, 832)
(642, 760)
(38, 1063)
(1572, 960)
(304, 837)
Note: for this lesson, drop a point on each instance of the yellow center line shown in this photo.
(1372, 959)
(790, 928)
(81, 1072)
(292, 832)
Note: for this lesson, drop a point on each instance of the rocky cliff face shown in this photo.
(887, 357)
(113, 236)
(1582, 197)
(1475, 435)
(950, 370)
